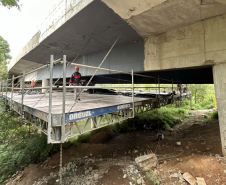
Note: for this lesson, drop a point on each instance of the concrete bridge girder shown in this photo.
(153, 17)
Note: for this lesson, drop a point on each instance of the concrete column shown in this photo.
(45, 83)
(219, 75)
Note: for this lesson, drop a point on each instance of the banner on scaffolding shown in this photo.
(74, 116)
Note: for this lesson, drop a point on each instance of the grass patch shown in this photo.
(163, 118)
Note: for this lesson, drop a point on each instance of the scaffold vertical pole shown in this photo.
(159, 90)
(63, 103)
(172, 90)
(60, 172)
(22, 95)
(156, 87)
(186, 89)
(50, 99)
(133, 92)
(11, 101)
(190, 98)
(6, 89)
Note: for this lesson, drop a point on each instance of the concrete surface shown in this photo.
(200, 44)
(219, 76)
(64, 11)
(152, 17)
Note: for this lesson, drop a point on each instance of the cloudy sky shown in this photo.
(18, 27)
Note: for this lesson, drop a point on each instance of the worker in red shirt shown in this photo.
(75, 80)
(32, 84)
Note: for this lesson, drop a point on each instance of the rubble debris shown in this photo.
(200, 181)
(146, 162)
(189, 178)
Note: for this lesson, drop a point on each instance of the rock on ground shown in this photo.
(201, 181)
(146, 162)
(189, 178)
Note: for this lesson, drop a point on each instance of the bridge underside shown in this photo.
(191, 75)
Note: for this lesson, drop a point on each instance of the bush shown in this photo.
(18, 147)
(27, 151)
(163, 118)
(214, 115)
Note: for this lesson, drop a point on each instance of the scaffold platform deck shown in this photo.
(92, 112)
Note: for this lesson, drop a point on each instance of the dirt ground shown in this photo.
(111, 160)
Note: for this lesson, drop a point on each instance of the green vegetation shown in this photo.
(73, 159)
(19, 147)
(214, 115)
(4, 58)
(163, 118)
(10, 3)
(202, 96)
(156, 179)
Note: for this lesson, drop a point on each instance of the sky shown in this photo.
(18, 27)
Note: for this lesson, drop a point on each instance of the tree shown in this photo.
(4, 58)
(10, 3)
(202, 92)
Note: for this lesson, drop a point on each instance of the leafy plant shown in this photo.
(10, 3)
(73, 159)
(156, 179)
(135, 180)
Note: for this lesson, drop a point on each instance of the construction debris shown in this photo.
(189, 178)
(200, 181)
(147, 162)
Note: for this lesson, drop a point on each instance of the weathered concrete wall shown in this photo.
(200, 44)
(219, 76)
(152, 17)
(130, 8)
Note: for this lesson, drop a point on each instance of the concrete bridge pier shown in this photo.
(45, 83)
(219, 75)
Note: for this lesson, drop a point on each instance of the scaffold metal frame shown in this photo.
(61, 127)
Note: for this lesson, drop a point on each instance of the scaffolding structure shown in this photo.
(71, 122)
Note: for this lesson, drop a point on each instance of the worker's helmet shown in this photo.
(76, 67)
